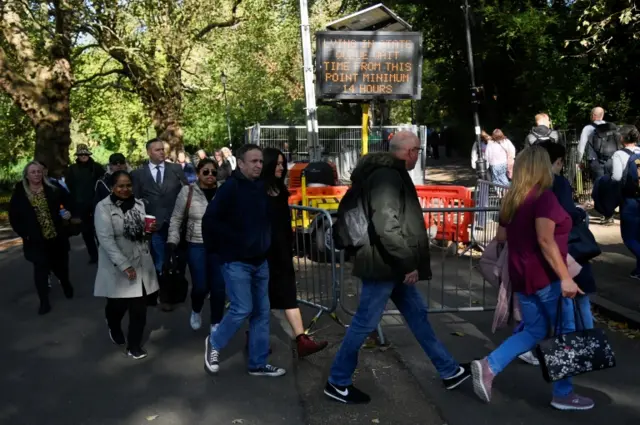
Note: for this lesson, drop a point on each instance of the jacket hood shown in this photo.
(372, 162)
(541, 130)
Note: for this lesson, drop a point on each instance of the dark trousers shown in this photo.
(89, 235)
(137, 307)
(56, 260)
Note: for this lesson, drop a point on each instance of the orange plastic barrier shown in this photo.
(451, 226)
(295, 174)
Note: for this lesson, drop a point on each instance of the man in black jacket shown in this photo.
(236, 226)
(81, 180)
(390, 266)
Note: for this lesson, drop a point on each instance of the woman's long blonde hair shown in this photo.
(532, 168)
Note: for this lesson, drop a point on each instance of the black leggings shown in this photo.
(56, 260)
(137, 307)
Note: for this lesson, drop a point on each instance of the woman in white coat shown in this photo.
(126, 274)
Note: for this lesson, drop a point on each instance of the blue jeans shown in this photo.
(248, 291)
(373, 300)
(630, 228)
(538, 314)
(206, 278)
(158, 243)
(584, 306)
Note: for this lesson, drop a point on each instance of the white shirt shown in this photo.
(587, 131)
(154, 171)
(497, 153)
(619, 161)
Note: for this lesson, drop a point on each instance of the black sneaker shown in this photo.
(463, 374)
(136, 353)
(117, 337)
(267, 370)
(347, 395)
(211, 355)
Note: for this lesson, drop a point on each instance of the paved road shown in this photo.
(61, 369)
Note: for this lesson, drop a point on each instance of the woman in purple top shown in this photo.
(536, 228)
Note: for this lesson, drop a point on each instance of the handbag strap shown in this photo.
(188, 206)
(557, 328)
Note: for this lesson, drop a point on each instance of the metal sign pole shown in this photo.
(310, 94)
(481, 164)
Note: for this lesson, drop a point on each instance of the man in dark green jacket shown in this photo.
(390, 266)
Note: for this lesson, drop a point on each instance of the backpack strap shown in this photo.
(629, 151)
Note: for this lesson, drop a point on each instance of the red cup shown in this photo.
(149, 221)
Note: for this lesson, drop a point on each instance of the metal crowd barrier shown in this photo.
(316, 262)
(485, 224)
(455, 285)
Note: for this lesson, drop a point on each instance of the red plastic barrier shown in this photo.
(451, 226)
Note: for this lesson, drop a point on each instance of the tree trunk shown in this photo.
(168, 125)
(53, 138)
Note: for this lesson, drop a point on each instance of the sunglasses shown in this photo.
(206, 172)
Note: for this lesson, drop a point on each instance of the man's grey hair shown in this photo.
(597, 113)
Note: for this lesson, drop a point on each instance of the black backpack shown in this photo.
(351, 229)
(604, 141)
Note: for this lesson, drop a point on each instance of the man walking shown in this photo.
(81, 180)
(236, 226)
(542, 131)
(158, 183)
(390, 266)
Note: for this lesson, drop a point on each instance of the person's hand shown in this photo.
(66, 215)
(131, 273)
(153, 227)
(411, 278)
(570, 289)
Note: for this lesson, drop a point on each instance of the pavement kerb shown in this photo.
(616, 312)
(10, 243)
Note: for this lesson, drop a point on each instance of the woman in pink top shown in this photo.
(536, 228)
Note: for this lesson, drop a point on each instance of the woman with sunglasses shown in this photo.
(205, 271)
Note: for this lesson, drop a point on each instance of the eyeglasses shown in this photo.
(206, 172)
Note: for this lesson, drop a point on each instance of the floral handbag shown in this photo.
(565, 355)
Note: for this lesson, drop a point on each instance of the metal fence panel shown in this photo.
(456, 285)
(315, 261)
(341, 145)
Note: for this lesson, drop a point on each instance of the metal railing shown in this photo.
(316, 263)
(341, 145)
(485, 224)
(455, 285)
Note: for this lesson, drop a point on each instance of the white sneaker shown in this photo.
(195, 321)
(530, 358)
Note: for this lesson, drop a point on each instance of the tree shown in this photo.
(35, 70)
(150, 44)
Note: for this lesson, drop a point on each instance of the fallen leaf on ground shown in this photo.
(152, 418)
(457, 333)
(237, 421)
(375, 421)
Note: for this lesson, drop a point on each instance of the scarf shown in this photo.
(133, 220)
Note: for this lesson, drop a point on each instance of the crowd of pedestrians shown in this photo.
(227, 218)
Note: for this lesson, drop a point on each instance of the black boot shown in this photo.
(45, 307)
(68, 290)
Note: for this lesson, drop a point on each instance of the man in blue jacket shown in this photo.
(236, 226)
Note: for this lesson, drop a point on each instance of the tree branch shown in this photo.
(233, 20)
(81, 50)
(99, 75)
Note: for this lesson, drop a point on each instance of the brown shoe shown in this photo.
(307, 346)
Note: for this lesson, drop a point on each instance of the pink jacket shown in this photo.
(493, 266)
